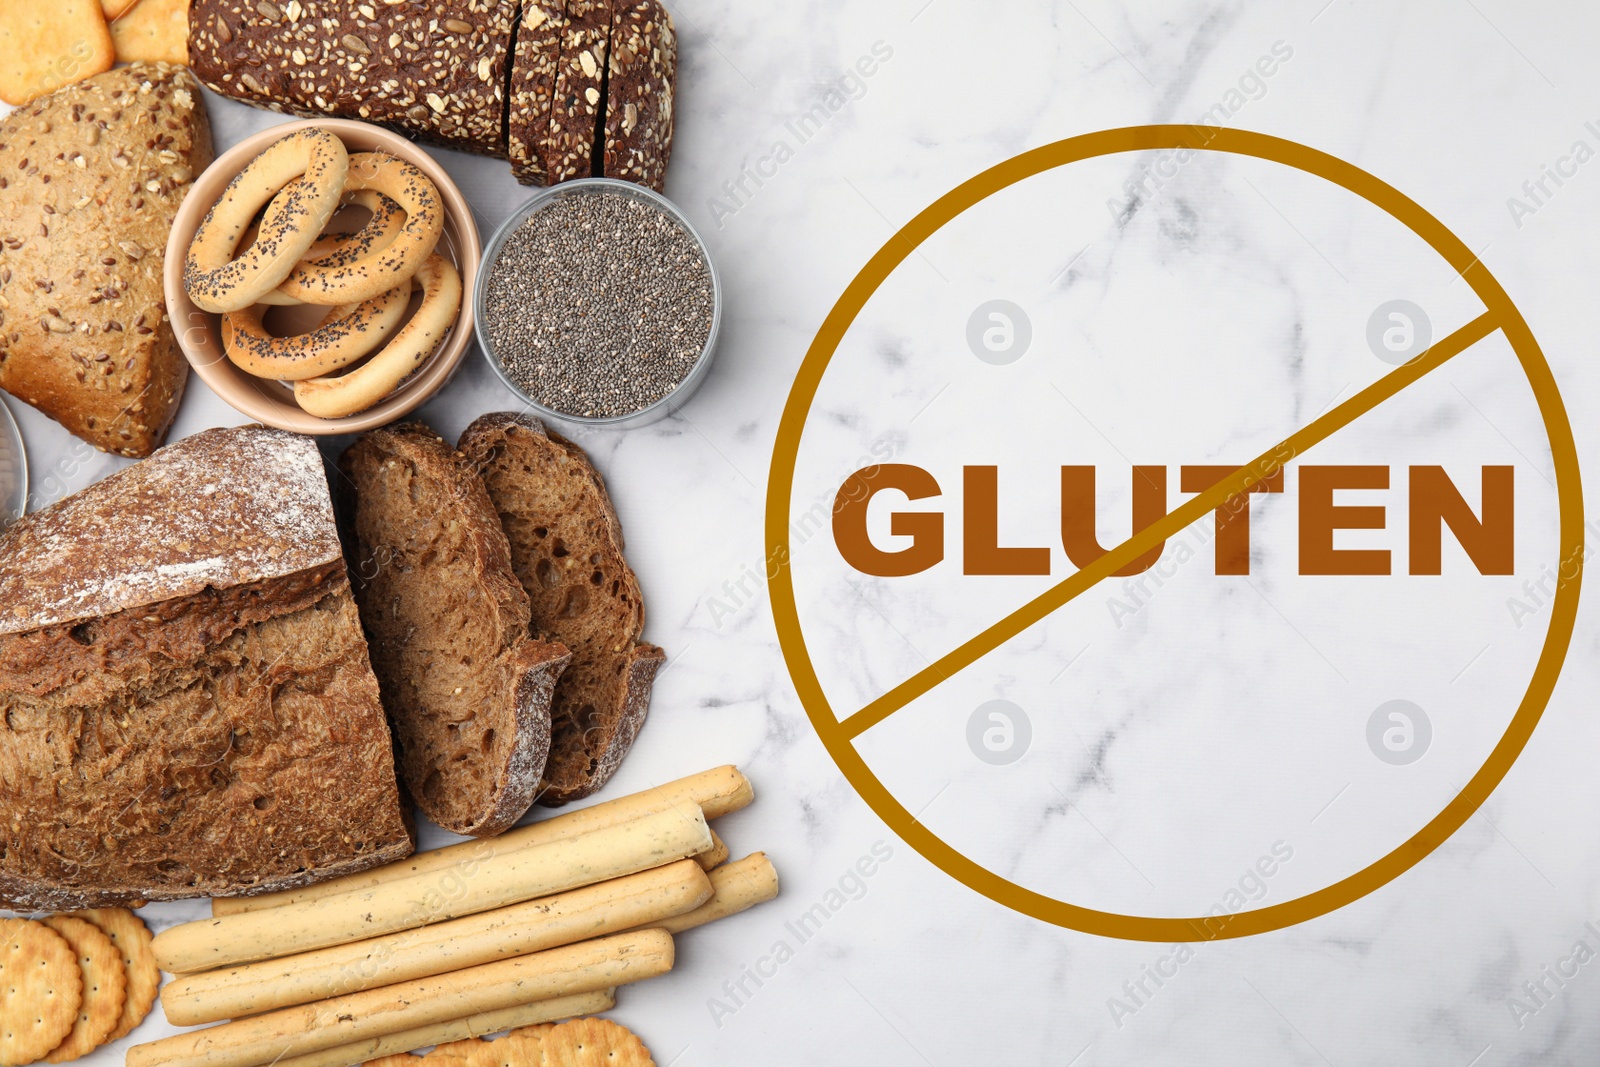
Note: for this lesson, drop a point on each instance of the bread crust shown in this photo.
(533, 87)
(603, 698)
(186, 704)
(512, 678)
(84, 335)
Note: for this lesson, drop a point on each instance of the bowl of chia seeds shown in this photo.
(599, 304)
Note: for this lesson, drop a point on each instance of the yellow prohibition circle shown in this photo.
(1500, 314)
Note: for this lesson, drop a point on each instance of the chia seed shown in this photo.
(599, 304)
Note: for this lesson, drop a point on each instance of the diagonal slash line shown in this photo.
(1239, 482)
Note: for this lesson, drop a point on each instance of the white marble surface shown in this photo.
(1222, 718)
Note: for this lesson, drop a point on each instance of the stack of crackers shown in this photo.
(70, 983)
(585, 1042)
(58, 42)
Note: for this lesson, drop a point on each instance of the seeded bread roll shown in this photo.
(566, 549)
(186, 706)
(467, 689)
(84, 335)
(570, 148)
(533, 87)
(644, 68)
(435, 69)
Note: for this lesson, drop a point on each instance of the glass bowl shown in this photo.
(589, 187)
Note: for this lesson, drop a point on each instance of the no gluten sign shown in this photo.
(857, 545)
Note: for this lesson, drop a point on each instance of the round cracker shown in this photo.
(41, 989)
(105, 987)
(128, 932)
(594, 1042)
(508, 1051)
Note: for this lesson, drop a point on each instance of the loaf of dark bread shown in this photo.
(639, 93)
(467, 690)
(84, 335)
(566, 548)
(186, 705)
(434, 69)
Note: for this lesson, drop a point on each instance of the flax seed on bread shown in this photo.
(466, 687)
(566, 548)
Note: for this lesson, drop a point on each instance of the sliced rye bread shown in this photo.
(533, 87)
(467, 690)
(644, 69)
(566, 548)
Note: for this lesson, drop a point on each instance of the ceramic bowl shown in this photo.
(200, 333)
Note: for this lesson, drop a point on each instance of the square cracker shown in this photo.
(51, 43)
(153, 31)
(115, 9)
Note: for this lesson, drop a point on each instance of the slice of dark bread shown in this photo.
(566, 548)
(467, 689)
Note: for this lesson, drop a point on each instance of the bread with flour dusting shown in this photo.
(186, 703)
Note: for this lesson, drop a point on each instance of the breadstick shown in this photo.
(582, 968)
(649, 841)
(607, 908)
(489, 1022)
(735, 887)
(715, 855)
(718, 792)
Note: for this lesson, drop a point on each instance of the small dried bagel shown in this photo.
(345, 335)
(366, 276)
(359, 389)
(342, 249)
(219, 281)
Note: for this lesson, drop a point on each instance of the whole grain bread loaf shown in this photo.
(186, 705)
(84, 335)
(566, 548)
(434, 69)
(467, 689)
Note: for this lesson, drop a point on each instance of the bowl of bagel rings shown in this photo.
(315, 274)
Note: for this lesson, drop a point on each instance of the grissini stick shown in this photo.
(717, 792)
(735, 886)
(588, 966)
(533, 926)
(715, 856)
(535, 871)
(489, 1022)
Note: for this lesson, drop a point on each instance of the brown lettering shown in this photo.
(980, 530)
(1320, 517)
(1436, 502)
(1078, 514)
(926, 529)
(1233, 517)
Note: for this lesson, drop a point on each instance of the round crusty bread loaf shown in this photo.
(467, 690)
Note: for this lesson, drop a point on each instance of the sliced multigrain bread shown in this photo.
(90, 179)
(533, 87)
(644, 69)
(571, 146)
(186, 705)
(566, 549)
(467, 689)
